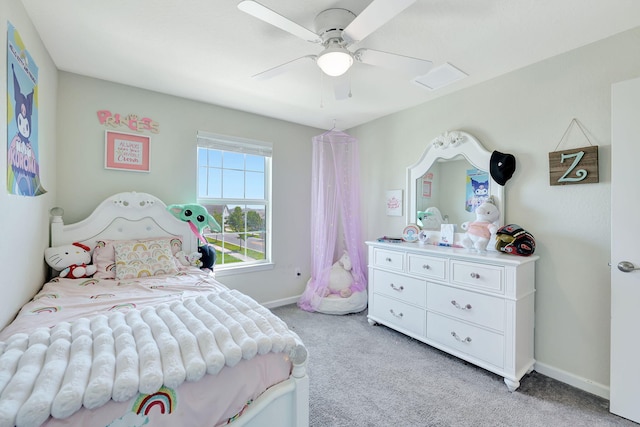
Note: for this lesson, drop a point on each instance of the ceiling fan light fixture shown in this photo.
(334, 61)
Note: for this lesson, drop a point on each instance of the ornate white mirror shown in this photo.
(451, 176)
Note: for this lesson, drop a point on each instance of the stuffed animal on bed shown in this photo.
(189, 260)
(198, 218)
(70, 260)
(196, 215)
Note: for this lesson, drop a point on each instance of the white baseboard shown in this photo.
(573, 380)
(281, 302)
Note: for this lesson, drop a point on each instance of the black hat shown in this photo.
(502, 167)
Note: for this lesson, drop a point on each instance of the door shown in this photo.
(625, 239)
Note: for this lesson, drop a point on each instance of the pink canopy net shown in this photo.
(335, 212)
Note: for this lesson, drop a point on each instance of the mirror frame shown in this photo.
(446, 147)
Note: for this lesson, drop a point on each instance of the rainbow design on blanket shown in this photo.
(51, 309)
(88, 282)
(164, 399)
(123, 307)
(102, 296)
(54, 296)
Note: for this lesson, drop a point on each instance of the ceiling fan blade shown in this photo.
(378, 13)
(391, 61)
(280, 69)
(342, 87)
(267, 15)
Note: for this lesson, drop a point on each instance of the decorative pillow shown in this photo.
(143, 258)
(104, 257)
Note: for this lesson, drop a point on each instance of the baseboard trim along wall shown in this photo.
(281, 302)
(573, 380)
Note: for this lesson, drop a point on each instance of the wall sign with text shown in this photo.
(574, 166)
(126, 152)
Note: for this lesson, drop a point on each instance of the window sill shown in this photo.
(228, 271)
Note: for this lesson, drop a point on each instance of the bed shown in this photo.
(161, 350)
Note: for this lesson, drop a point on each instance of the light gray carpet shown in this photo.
(364, 375)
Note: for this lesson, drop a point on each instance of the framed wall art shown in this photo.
(125, 151)
(393, 202)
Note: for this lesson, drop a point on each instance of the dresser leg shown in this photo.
(371, 322)
(511, 385)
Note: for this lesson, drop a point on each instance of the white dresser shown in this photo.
(478, 307)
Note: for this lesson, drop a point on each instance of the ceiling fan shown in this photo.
(337, 30)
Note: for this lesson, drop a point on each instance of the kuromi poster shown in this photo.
(23, 170)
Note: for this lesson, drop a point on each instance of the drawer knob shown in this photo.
(475, 275)
(460, 307)
(398, 315)
(396, 288)
(457, 337)
(388, 259)
(426, 266)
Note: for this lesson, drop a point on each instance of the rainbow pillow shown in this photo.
(104, 256)
(143, 258)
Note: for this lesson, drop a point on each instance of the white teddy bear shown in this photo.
(479, 232)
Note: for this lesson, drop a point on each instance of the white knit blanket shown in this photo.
(55, 371)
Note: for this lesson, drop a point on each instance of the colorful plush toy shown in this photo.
(199, 219)
(479, 232)
(70, 260)
(192, 259)
(196, 215)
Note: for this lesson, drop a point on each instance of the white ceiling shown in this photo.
(207, 50)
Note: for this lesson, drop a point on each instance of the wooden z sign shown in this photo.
(575, 166)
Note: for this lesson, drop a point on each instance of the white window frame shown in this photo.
(245, 146)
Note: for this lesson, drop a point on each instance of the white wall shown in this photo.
(526, 113)
(85, 182)
(24, 221)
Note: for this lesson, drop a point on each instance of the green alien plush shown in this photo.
(198, 218)
(196, 215)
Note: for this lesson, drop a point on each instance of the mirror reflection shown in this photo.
(449, 192)
(449, 181)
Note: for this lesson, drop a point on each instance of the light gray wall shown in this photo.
(85, 181)
(24, 221)
(526, 113)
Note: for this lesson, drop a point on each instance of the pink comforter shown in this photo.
(212, 400)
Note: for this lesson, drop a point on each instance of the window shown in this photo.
(234, 177)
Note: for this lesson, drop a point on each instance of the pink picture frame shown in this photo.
(126, 151)
(426, 188)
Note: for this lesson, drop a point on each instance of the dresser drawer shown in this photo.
(388, 259)
(483, 310)
(404, 288)
(428, 266)
(472, 340)
(402, 316)
(480, 276)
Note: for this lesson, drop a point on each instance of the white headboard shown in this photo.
(123, 216)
